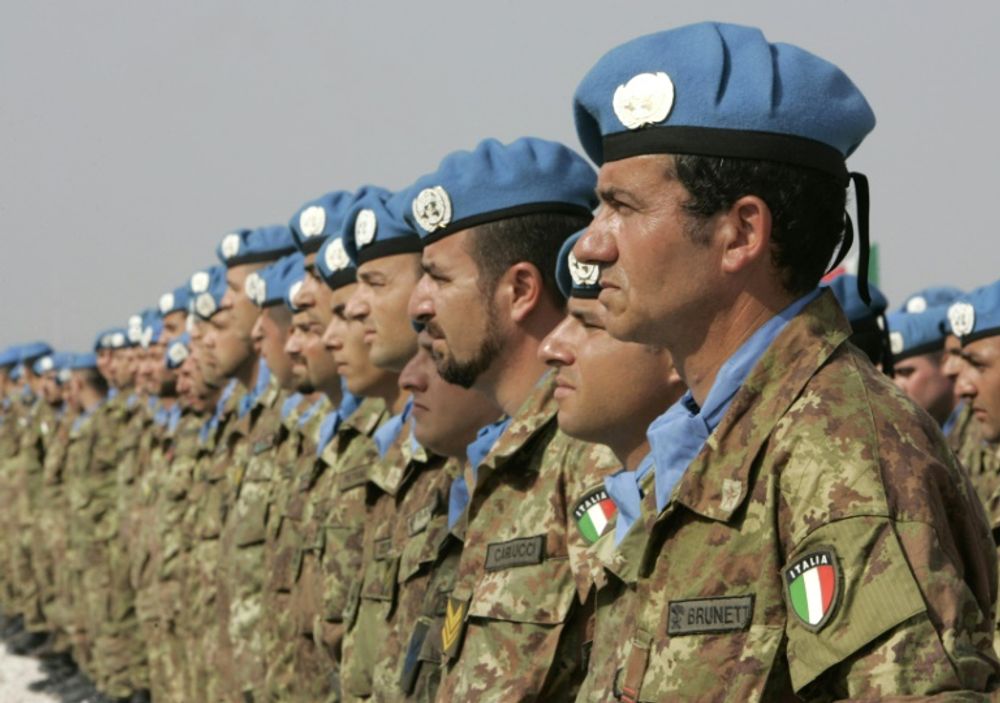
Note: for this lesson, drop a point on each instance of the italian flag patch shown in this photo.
(593, 514)
(813, 583)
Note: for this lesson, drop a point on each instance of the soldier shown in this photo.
(916, 341)
(591, 366)
(492, 221)
(806, 511)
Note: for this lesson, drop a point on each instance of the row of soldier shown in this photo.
(451, 442)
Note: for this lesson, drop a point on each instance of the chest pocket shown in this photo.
(733, 665)
(251, 513)
(541, 593)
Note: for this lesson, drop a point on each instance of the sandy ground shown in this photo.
(15, 675)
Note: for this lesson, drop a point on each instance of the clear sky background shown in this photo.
(134, 135)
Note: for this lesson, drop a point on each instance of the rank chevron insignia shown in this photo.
(454, 625)
(593, 514)
(813, 583)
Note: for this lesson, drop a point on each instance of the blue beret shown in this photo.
(33, 350)
(178, 350)
(79, 362)
(845, 288)
(916, 333)
(319, 219)
(932, 297)
(117, 338)
(976, 314)
(207, 288)
(576, 280)
(253, 246)
(10, 356)
(152, 330)
(176, 300)
(494, 182)
(719, 89)
(333, 264)
(269, 285)
(375, 227)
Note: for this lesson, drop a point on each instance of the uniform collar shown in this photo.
(716, 483)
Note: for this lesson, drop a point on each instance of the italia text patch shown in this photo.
(813, 587)
(516, 552)
(708, 615)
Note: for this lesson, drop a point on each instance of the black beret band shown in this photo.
(389, 247)
(735, 143)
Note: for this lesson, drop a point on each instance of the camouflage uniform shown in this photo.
(819, 468)
(203, 525)
(514, 625)
(160, 605)
(254, 473)
(407, 499)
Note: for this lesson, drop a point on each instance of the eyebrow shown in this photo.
(615, 193)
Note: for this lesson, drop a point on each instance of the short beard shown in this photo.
(466, 373)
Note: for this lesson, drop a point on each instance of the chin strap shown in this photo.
(862, 202)
(864, 254)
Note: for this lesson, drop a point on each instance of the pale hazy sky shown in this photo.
(135, 134)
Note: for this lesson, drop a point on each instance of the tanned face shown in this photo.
(978, 384)
(922, 378)
(379, 303)
(344, 341)
(445, 417)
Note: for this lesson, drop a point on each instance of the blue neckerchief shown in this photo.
(677, 436)
(259, 388)
(87, 412)
(151, 402)
(161, 416)
(213, 422)
(348, 404)
(623, 488)
(131, 401)
(309, 412)
(173, 417)
(386, 434)
(112, 393)
(949, 424)
(458, 496)
(290, 404)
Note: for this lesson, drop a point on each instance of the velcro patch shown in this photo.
(382, 548)
(709, 615)
(353, 478)
(420, 519)
(516, 552)
(263, 445)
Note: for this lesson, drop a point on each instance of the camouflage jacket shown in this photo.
(514, 627)
(406, 506)
(824, 545)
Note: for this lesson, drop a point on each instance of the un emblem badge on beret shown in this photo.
(293, 291)
(199, 282)
(255, 289)
(364, 228)
(646, 99)
(45, 364)
(896, 344)
(916, 304)
(166, 303)
(177, 354)
(117, 340)
(432, 208)
(312, 221)
(583, 275)
(230, 246)
(336, 258)
(205, 305)
(962, 318)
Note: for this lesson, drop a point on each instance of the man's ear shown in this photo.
(746, 233)
(522, 288)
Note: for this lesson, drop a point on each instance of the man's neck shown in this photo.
(632, 457)
(513, 377)
(700, 356)
(248, 371)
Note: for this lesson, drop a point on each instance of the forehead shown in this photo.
(450, 252)
(589, 309)
(987, 348)
(342, 294)
(647, 170)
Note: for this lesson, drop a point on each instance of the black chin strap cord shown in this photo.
(861, 200)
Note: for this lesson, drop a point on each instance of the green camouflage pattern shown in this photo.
(817, 451)
(523, 630)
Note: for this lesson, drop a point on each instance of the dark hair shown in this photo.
(807, 208)
(94, 379)
(535, 238)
